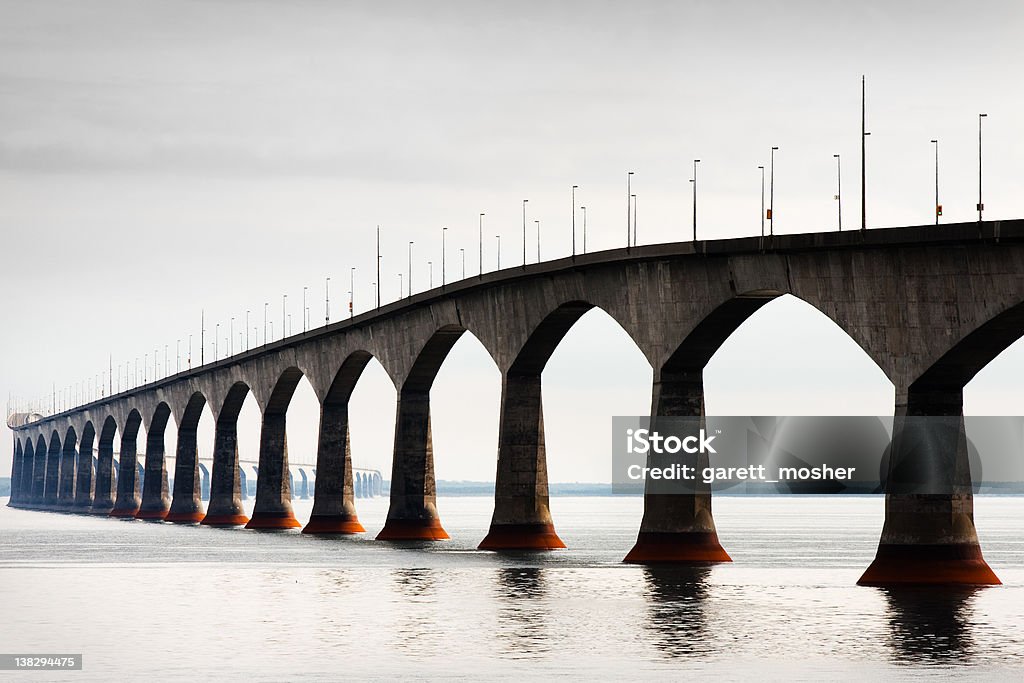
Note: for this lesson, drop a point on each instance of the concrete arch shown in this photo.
(39, 471)
(68, 469)
(53, 463)
(273, 507)
(939, 389)
(156, 501)
(186, 503)
(85, 475)
(126, 504)
(225, 508)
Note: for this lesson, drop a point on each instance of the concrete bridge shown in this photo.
(930, 305)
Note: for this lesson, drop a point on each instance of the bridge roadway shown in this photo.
(931, 305)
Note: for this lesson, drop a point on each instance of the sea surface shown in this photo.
(156, 601)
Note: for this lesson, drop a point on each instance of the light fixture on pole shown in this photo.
(629, 208)
(938, 207)
(839, 188)
(771, 196)
(409, 276)
(694, 181)
(981, 205)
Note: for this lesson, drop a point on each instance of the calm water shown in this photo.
(143, 600)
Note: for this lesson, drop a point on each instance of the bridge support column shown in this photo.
(84, 478)
(66, 487)
(273, 507)
(16, 469)
(412, 514)
(929, 538)
(127, 502)
(103, 500)
(678, 528)
(52, 482)
(39, 476)
(334, 510)
(186, 504)
(225, 508)
(521, 519)
(155, 499)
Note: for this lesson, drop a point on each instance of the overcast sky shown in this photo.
(160, 158)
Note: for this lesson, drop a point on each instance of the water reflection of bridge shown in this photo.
(366, 483)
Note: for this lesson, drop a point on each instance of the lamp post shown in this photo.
(378, 267)
(351, 292)
(481, 239)
(216, 349)
(633, 196)
(584, 210)
(327, 302)
(400, 291)
(430, 268)
(524, 231)
(444, 232)
(266, 305)
(409, 278)
(937, 210)
(177, 361)
(498, 250)
(771, 196)
(695, 162)
(574, 219)
(284, 315)
(189, 361)
(839, 189)
(231, 344)
(629, 208)
(761, 168)
(981, 205)
(246, 330)
(463, 253)
(863, 160)
(538, 240)
(305, 290)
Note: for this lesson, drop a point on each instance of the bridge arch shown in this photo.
(186, 502)
(53, 463)
(273, 507)
(16, 472)
(106, 475)
(334, 510)
(68, 469)
(85, 475)
(156, 500)
(126, 504)
(225, 508)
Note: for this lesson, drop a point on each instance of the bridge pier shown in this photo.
(186, 505)
(225, 508)
(155, 499)
(103, 498)
(678, 528)
(52, 481)
(127, 502)
(522, 518)
(412, 514)
(929, 538)
(66, 485)
(16, 466)
(84, 481)
(38, 474)
(334, 510)
(273, 507)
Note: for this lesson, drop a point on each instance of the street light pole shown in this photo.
(463, 253)
(498, 251)
(481, 237)
(430, 276)
(409, 277)
(304, 308)
(839, 189)
(981, 206)
(762, 200)
(695, 162)
(265, 306)
(246, 333)
(863, 160)
(524, 232)
(352, 292)
(444, 248)
(327, 302)
(231, 343)
(574, 219)
(401, 292)
(538, 240)
(633, 197)
(584, 210)
(771, 197)
(378, 266)
(629, 208)
(936, 208)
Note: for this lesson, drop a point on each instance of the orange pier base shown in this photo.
(124, 512)
(412, 530)
(151, 515)
(333, 524)
(522, 537)
(266, 520)
(694, 547)
(194, 517)
(918, 565)
(225, 520)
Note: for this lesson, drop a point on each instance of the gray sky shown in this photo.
(158, 158)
